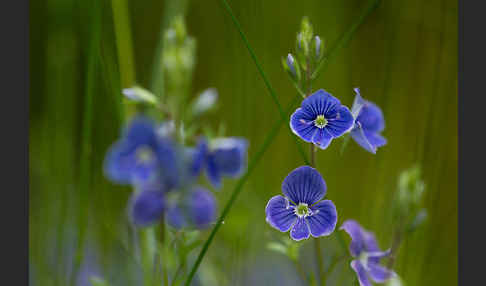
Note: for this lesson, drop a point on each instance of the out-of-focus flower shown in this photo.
(221, 157)
(368, 124)
(148, 206)
(320, 119)
(365, 248)
(197, 209)
(141, 156)
(301, 208)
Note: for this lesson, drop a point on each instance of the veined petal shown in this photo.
(148, 207)
(300, 230)
(202, 207)
(359, 137)
(320, 103)
(322, 138)
(378, 273)
(355, 231)
(304, 185)
(323, 220)
(371, 117)
(361, 273)
(302, 124)
(279, 214)
(375, 139)
(340, 123)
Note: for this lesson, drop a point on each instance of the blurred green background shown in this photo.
(403, 57)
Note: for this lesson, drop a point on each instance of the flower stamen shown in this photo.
(320, 121)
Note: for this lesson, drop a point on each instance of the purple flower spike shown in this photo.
(368, 124)
(320, 119)
(301, 208)
(365, 248)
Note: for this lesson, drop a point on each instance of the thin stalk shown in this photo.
(268, 140)
(317, 245)
(163, 258)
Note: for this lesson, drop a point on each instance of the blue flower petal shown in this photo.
(300, 230)
(375, 139)
(199, 157)
(140, 131)
(340, 123)
(378, 273)
(213, 173)
(322, 138)
(202, 207)
(324, 218)
(371, 118)
(119, 163)
(361, 273)
(169, 157)
(374, 257)
(229, 155)
(302, 124)
(148, 207)
(320, 103)
(304, 185)
(358, 103)
(279, 213)
(354, 230)
(359, 136)
(175, 217)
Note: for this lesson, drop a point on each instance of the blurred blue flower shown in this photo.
(148, 206)
(368, 124)
(223, 157)
(196, 209)
(321, 118)
(301, 207)
(141, 156)
(365, 248)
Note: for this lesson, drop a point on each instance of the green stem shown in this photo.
(320, 266)
(162, 252)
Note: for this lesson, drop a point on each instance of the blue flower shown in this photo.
(148, 206)
(222, 157)
(365, 248)
(197, 208)
(320, 119)
(368, 124)
(301, 207)
(141, 156)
